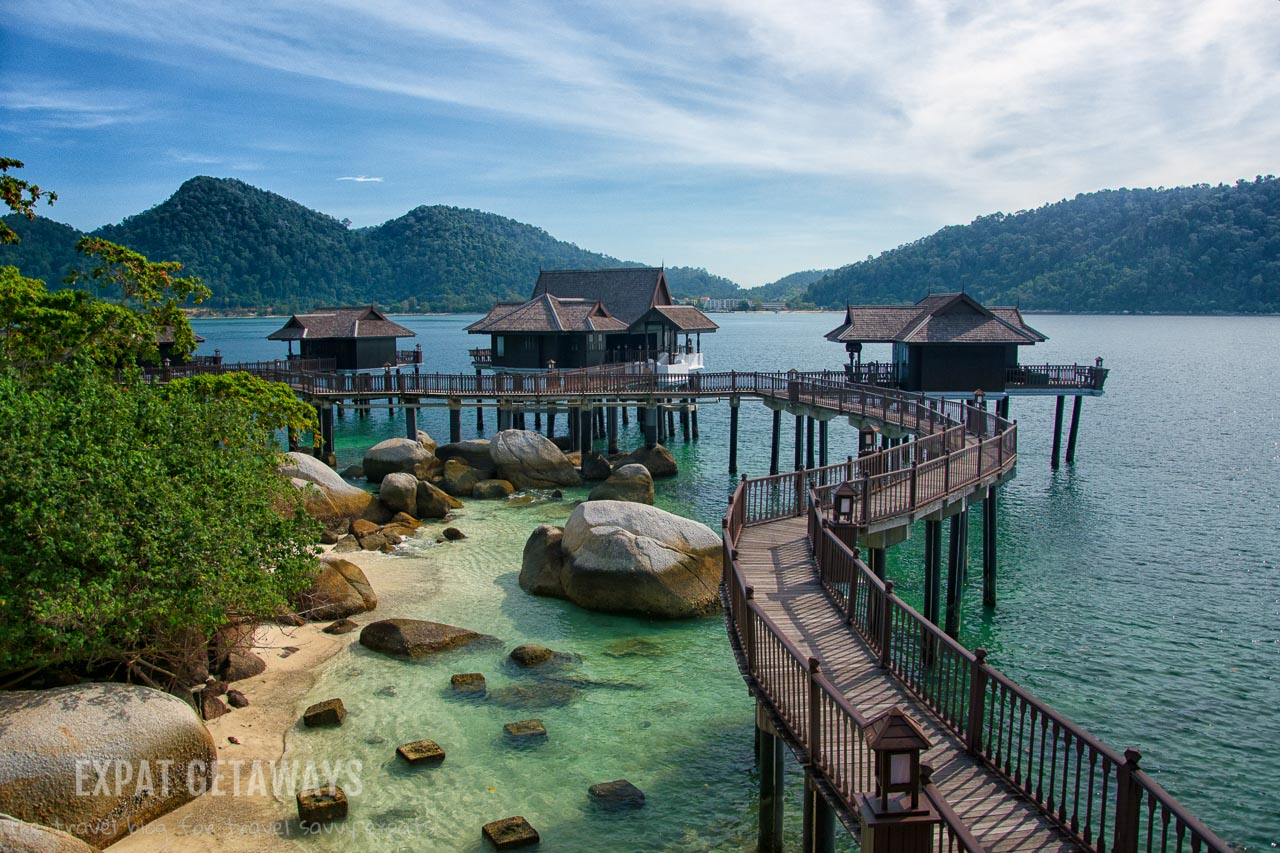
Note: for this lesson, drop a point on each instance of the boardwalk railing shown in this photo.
(1049, 376)
(1100, 798)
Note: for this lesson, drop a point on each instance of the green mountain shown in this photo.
(1197, 249)
(259, 251)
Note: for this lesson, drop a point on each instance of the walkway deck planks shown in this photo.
(776, 559)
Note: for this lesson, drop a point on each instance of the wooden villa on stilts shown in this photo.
(347, 339)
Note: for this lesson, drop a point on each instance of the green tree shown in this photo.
(273, 404)
(20, 197)
(129, 529)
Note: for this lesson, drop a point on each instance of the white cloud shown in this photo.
(362, 179)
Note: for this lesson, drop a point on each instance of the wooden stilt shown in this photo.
(537, 420)
(648, 418)
(822, 444)
(819, 830)
(410, 420)
(585, 417)
(799, 453)
(734, 405)
(1075, 427)
(455, 422)
(956, 569)
(611, 429)
(479, 409)
(769, 760)
(773, 447)
(1057, 432)
(989, 518)
(809, 448)
(693, 417)
(626, 419)
(551, 422)
(684, 423)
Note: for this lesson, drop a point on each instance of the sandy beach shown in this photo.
(239, 813)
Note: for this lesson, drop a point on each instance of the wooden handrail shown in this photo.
(1099, 797)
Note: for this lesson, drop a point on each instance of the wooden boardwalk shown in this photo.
(777, 562)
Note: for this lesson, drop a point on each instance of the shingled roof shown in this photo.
(938, 318)
(627, 293)
(548, 314)
(366, 322)
(686, 318)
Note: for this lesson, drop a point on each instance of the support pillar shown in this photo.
(956, 569)
(537, 420)
(599, 422)
(809, 448)
(819, 835)
(648, 418)
(479, 408)
(551, 422)
(410, 418)
(769, 760)
(989, 517)
(1075, 427)
(822, 444)
(684, 423)
(932, 569)
(879, 565)
(326, 436)
(1002, 408)
(585, 418)
(1057, 431)
(455, 421)
(662, 425)
(671, 422)
(611, 429)
(773, 447)
(573, 426)
(626, 419)
(799, 442)
(693, 417)
(734, 406)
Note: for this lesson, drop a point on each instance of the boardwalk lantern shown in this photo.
(866, 440)
(897, 741)
(842, 502)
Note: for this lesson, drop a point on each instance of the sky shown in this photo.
(755, 138)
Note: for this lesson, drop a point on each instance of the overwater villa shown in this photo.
(586, 318)
(359, 338)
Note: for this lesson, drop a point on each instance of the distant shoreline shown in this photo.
(219, 315)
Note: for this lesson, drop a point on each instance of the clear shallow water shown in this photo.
(1139, 595)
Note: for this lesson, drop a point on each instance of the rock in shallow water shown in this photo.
(510, 832)
(618, 794)
(415, 638)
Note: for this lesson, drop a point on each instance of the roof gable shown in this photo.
(323, 323)
(627, 293)
(937, 318)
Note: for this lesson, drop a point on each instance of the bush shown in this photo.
(133, 519)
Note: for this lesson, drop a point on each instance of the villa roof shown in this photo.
(954, 318)
(686, 318)
(628, 293)
(548, 314)
(366, 322)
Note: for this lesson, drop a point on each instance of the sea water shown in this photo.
(1138, 594)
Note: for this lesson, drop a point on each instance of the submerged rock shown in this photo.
(618, 794)
(415, 638)
(548, 694)
(492, 489)
(596, 467)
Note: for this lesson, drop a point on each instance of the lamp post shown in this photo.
(866, 441)
(978, 398)
(842, 515)
(894, 817)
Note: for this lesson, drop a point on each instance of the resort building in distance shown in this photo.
(588, 318)
(347, 338)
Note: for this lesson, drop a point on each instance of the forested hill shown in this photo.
(259, 251)
(1198, 249)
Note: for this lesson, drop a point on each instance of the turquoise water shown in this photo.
(1139, 595)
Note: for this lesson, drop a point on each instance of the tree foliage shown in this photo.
(1192, 249)
(134, 518)
(19, 196)
(273, 404)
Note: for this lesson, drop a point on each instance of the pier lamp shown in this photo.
(979, 397)
(866, 440)
(842, 503)
(897, 742)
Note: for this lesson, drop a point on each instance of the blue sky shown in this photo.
(753, 138)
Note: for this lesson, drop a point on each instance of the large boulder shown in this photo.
(459, 478)
(492, 490)
(657, 459)
(327, 497)
(153, 751)
(595, 466)
(399, 492)
(427, 441)
(415, 638)
(403, 455)
(624, 557)
(474, 452)
(339, 589)
(431, 502)
(542, 565)
(629, 483)
(17, 836)
(530, 461)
